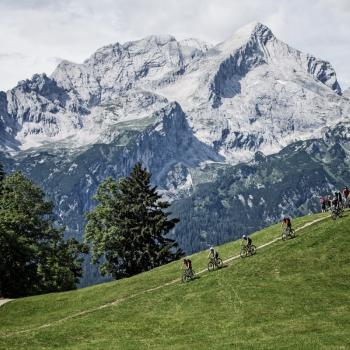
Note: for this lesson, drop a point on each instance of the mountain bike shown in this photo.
(288, 233)
(188, 275)
(214, 263)
(247, 250)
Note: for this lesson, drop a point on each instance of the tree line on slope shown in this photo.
(126, 232)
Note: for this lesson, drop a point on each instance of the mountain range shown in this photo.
(235, 134)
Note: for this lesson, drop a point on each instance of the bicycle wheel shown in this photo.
(219, 263)
(292, 233)
(243, 252)
(334, 215)
(184, 277)
(284, 235)
(211, 266)
(252, 249)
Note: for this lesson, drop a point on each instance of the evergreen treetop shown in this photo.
(128, 227)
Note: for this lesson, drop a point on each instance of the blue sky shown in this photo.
(36, 34)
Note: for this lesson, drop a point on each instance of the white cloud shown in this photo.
(33, 33)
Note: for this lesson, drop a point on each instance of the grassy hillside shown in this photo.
(291, 295)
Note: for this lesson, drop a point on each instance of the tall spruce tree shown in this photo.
(128, 227)
(34, 257)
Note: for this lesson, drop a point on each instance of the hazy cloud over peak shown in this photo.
(34, 33)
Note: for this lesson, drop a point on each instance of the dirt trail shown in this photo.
(4, 301)
(270, 242)
(118, 301)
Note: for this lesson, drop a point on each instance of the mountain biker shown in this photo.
(213, 254)
(287, 222)
(335, 203)
(247, 241)
(323, 204)
(346, 193)
(187, 265)
(339, 197)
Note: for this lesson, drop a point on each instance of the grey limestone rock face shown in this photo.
(250, 87)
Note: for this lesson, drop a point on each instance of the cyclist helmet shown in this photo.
(244, 237)
(211, 248)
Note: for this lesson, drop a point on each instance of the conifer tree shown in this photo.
(34, 257)
(128, 227)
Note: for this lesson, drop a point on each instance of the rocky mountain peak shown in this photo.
(249, 93)
(255, 29)
(252, 31)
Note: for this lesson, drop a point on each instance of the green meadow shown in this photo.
(290, 295)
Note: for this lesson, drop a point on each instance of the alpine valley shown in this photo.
(236, 135)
